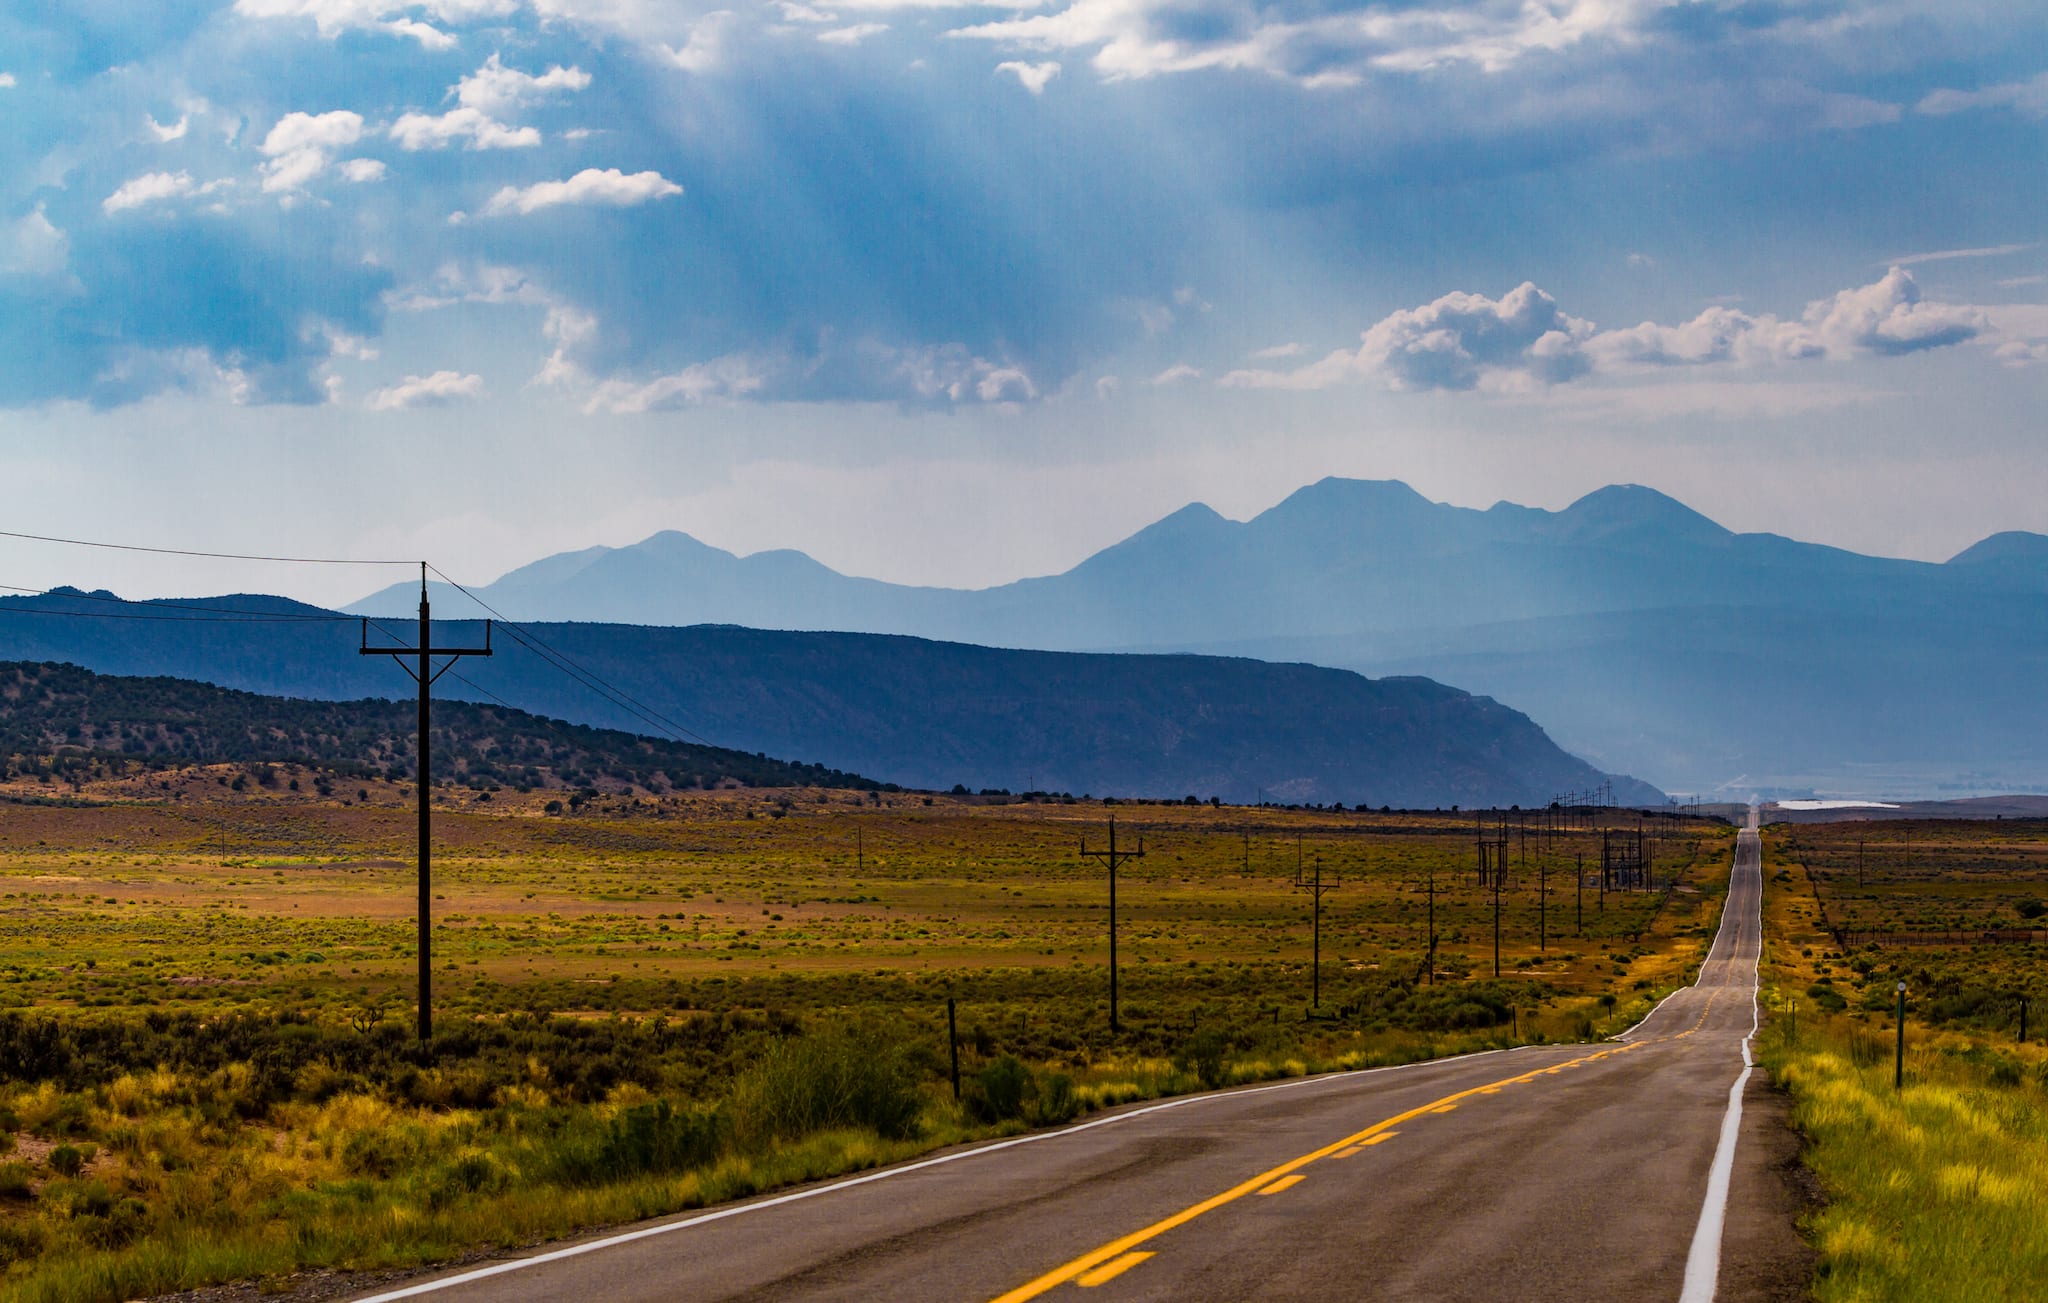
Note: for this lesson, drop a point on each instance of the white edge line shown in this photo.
(1703, 1260)
(735, 1210)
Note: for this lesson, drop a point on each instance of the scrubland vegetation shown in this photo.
(1938, 1191)
(648, 1003)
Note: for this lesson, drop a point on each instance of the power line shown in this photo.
(590, 679)
(217, 556)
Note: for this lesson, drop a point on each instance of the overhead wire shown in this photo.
(217, 556)
(618, 696)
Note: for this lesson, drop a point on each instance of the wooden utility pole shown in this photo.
(1112, 857)
(425, 676)
(1315, 888)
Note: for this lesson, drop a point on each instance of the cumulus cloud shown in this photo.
(706, 43)
(1031, 76)
(1176, 373)
(149, 188)
(1523, 340)
(33, 246)
(393, 17)
(360, 170)
(437, 390)
(482, 100)
(2027, 97)
(166, 134)
(590, 186)
(6, 81)
(301, 145)
(1317, 45)
(433, 131)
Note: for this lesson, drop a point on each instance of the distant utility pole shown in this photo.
(1432, 923)
(1112, 857)
(1542, 902)
(1579, 924)
(425, 676)
(1315, 888)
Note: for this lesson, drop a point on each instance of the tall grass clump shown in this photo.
(829, 1081)
(1936, 1192)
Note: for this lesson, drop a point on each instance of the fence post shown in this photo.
(953, 1045)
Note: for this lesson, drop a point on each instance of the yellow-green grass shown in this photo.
(1935, 1191)
(694, 935)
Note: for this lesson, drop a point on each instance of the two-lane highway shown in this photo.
(1555, 1172)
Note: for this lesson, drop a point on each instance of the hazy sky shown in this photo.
(953, 293)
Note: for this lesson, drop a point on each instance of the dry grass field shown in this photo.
(206, 996)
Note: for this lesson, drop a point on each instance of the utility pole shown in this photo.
(1542, 903)
(1315, 888)
(425, 676)
(1859, 864)
(1899, 1064)
(860, 851)
(1579, 926)
(1112, 857)
(1432, 923)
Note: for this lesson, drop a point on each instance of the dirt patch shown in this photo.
(1763, 1255)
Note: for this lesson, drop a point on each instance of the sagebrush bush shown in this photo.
(1001, 1089)
(827, 1080)
(647, 1139)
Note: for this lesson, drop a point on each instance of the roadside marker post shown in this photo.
(953, 1045)
(1899, 1063)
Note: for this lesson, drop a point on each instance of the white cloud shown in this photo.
(7, 81)
(497, 90)
(33, 246)
(951, 372)
(1277, 351)
(416, 131)
(1944, 255)
(393, 17)
(360, 170)
(852, 35)
(800, 13)
(590, 186)
(483, 99)
(1031, 76)
(1176, 373)
(149, 188)
(1146, 38)
(1523, 342)
(706, 44)
(300, 146)
(2028, 97)
(296, 131)
(175, 131)
(1640, 261)
(436, 390)
(721, 378)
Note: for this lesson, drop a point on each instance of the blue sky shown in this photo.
(954, 293)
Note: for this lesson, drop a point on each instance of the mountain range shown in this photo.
(1638, 632)
(911, 711)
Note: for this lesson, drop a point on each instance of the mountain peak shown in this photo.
(2010, 547)
(1628, 509)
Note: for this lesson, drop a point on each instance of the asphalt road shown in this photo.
(1561, 1172)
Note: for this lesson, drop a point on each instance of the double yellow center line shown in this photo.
(1120, 1255)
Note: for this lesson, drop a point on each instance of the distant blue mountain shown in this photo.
(903, 710)
(1640, 633)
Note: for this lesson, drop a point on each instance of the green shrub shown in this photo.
(646, 1139)
(1205, 1056)
(14, 1181)
(830, 1079)
(1001, 1089)
(67, 1160)
(1057, 1100)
